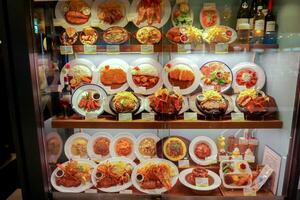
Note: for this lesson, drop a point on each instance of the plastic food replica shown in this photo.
(145, 76)
(148, 35)
(149, 11)
(174, 149)
(180, 76)
(125, 102)
(116, 35)
(182, 14)
(113, 76)
(77, 12)
(184, 35)
(69, 36)
(88, 36)
(101, 146)
(110, 12)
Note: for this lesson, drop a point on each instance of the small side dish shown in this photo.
(182, 14)
(148, 35)
(69, 36)
(88, 36)
(116, 35)
(209, 18)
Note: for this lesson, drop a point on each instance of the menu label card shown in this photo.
(89, 49)
(185, 163)
(66, 50)
(90, 191)
(221, 48)
(237, 116)
(208, 6)
(240, 157)
(184, 48)
(190, 116)
(148, 116)
(90, 116)
(126, 192)
(113, 49)
(249, 158)
(223, 158)
(125, 117)
(249, 191)
(201, 182)
(95, 22)
(147, 49)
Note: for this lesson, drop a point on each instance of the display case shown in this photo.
(155, 99)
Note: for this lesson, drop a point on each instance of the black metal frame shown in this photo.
(20, 73)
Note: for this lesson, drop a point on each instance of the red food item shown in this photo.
(145, 81)
(209, 18)
(246, 77)
(177, 13)
(202, 150)
(242, 166)
(68, 182)
(75, 17)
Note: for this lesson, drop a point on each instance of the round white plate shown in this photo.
(138, 141)
(78, 189)
(104, 26)
(140, 63)
(209, 87)
(209, 142)
(185, 62)
(166, 12)
(260, 73)
(116, 188)
(53, 158)
(185, 105)
(84, 63)
(175, 7)
(112, 145)
(68, 145)
(201, 21)
(60, 17)
(90, 148)
(154, 191)
(80, 92)
(114, 62)
(232, 39)
(215, 185)
(192, 102)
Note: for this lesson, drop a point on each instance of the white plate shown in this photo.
(232, 39)
(80, 92)
(83, 63)
(215, 185)
(104, 26)
(116, 188)
(131, 137)
(138, 141)
(201, 21)
(114, 62)
(261, 76)
(210, 143)
(140, 63)
(166, 12)
(185, 105)
(60, 17)
(185, 62)
(69, 143)
(175, 7)
(209, 87)
(53, 158)
(154, 191)
(78, 189)
(90, 148)
(192, 102)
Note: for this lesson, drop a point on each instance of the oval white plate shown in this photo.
(138, 141)
(154, 191)
(104, 26)
(166, 12)
(69, 142)
(132, 155)
(53, 158)
(81, 62)
(79, 93)
(215, 185)
(209, 142)
(116, 188)
(78, 189)
(209, 87)
(140, 62)
(114, 62)
(261, 76)
(232, 39)
(175, 7)
(60, 17)
(90, 148)
(201, 21)
(186, 62)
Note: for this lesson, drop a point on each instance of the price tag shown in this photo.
(240, 157)
(113, 49)
(147, 49)
(177, 89)
(223, 158)
(90, 191)
(221, 48)
(249, 158)
(95, 22)
(209, 6)
(90, 116)
(126, 192)
(201, 182)
(182, 164)
(75, 157)
(141, 90)
(181, 1)
(184, 48)
(125, 117)
(237, 117)
(212, 158)
(89, 49)
(66, 50)
(148, 116)
(249, 191)
(190, 116)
